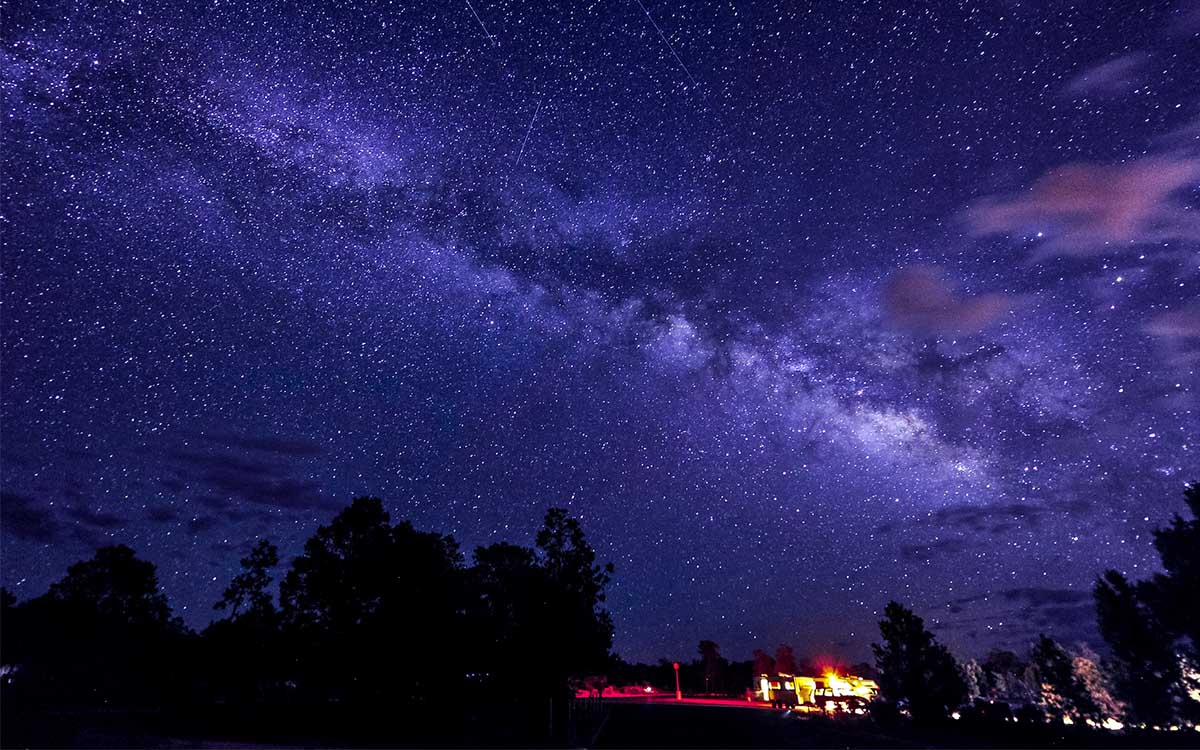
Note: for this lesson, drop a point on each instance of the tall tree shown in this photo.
(914, 669)
(103, 633)
(1174, 594)
(244, 652)
(763, 663)
(1005, 678)
(710, 653)
(1095, 680)
(1063, 695)
(342, 577)
(1145, 668)
(249, 592)
(1153, 626)
(976, 679)
(576, 601)
(785, 659)
(115, 586)
(361, 587)
(510, 595)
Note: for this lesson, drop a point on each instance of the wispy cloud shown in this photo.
(1177, 324)
(922, 300)
(1108, 79)
(1086, 209)
(1178, 334)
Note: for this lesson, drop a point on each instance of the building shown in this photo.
(829, 692)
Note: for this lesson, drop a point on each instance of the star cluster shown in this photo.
(799, 307)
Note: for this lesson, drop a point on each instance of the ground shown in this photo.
(664, 724)
(620, 723)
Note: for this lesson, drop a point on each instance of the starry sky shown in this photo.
(800, 307)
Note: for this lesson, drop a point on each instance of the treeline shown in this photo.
(385, 634)
(1149, 678)
(385, 625)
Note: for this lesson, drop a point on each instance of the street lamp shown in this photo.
(678, 692)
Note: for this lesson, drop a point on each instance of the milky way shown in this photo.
(798, 309)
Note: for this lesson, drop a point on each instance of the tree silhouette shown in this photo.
(1063, 694)
(1145, 670)
(380, 632)
(102, 634)
(914, 669)
(763, 663)
(584, 629)
(248, 592)
(116, 587)
(244, 651)
(539, 617)
(511, 591)
(710, 653)
(1096, 682)
(342, 578)
(1006, 678)
(785, 659)
(1150, 625)
(1175, 593)
(360, 588)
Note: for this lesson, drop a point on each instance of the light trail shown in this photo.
(666, 41)
(495, 41)
(527, 133)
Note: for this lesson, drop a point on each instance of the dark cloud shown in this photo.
(201, 523)
(932, 550)
(287, 446)
(920, 299)
(1033, 596)
(22, 518)
(95, 518)
(1041, 597)
(931, 362)
(1185, 19)
(1067, 614)
(162, 514)
(986, 518)
(259, 479)
(215, 502)
(172, 484)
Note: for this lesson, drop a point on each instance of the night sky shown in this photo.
(799, 309)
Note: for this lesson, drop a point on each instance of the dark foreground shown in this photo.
(664, 725)
(620, 724)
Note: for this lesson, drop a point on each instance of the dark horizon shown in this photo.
(829, 654)
(797, 310)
